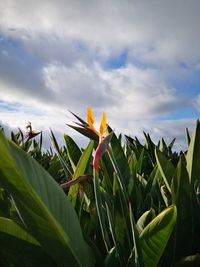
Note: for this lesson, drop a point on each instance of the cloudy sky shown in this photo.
(137, 60)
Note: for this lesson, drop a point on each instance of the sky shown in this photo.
(136, 60)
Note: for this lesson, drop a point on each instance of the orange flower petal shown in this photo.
(103, 124)
(90, 120)
(90, 116)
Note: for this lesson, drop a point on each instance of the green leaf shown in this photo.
(188, 139)
(181, 194)
(73, 151)
(156, 234)
(61, 158)
(120, 159)
(166, 168)
(80, 170)
(43, 206)
(100, 211)
(19, 246)
(151, 186)
(136, 257)
(145, 219)
(171, 144)
(193, 159)
(114, 236)
(140, 162)
(162, 146)
(108, 171)
(112, 259)
(121, 169)
(150, 147)
(193, 168)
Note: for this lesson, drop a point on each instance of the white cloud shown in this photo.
(167, 129)
(164, 30)
(53, 56)
(77, 85)
(128, 95)
(129, 92)
(16, 115)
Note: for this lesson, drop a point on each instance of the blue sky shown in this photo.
(139, 61)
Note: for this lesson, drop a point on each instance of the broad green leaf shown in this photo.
(162, 146)
(73, 151)
(145, 219)
(118, 170)
(112, 259)
(123, 191)
(19, 246)
(5, 204)
(188, 139)
(150, 147)
(114, 236)
(120, 158)
(108, 172)
(152, 181)
(100, 210)
(43, 206)
(121, 168)
(80, 170)
(193, 168)
(136, 257)
(133, 164)
(140, 162)
(193, 158)
(62, 159)
(181, 195)
(120, 227)
(166, 168)
(156, 234)
(171, 144)
(84, 160)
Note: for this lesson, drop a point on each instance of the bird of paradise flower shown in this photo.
(88, 129)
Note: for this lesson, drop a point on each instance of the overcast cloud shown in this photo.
(137, 60)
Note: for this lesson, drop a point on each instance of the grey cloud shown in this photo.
(131, 91)
(78, 85)
(21, 69)
(168, 27)
(59, 43)
(142, 94)
(20, 76)
(50, 48)
(167, 129)
(136, 91)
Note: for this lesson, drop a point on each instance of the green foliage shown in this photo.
(42, 206)
(19, 246)
(156, 234)
(139, 206)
